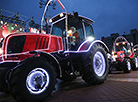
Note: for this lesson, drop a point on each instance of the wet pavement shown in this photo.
(118, 87)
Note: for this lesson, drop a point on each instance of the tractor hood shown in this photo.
(16, 47)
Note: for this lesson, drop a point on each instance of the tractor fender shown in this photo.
(99, 42)
(47, 56)
(52, 59)
(87, 45)
(103, 45)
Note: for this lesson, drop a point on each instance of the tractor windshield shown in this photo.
(121, 44)
(59, 28)
(76, 35)
(122, 47)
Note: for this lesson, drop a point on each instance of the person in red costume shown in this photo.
(75, 36)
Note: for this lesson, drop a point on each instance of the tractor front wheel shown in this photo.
(33, 80)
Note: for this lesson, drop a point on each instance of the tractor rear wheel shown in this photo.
(126, 66)
(33, 80)
(134, 63)
(95, 65)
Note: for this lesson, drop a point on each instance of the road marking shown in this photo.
(124, 79)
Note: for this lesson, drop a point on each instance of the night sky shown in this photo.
(110, 16)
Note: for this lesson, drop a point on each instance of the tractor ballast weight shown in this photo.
(30, 63)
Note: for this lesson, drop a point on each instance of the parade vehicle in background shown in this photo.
(135, 49)
(30, 63)
(123, 56)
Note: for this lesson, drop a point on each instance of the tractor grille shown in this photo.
(16, 44)
(42, 43)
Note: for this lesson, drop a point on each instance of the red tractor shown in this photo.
(123, 56)
(30, 63)
(135, 49)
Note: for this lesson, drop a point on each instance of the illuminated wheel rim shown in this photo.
(99, 64)
(37, 81)
(129, 65)
(136, 62)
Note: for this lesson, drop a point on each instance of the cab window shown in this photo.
(89, 30)
(58, 28)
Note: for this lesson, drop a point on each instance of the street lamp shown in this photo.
(43, 3)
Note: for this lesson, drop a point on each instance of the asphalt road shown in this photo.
(118, 87)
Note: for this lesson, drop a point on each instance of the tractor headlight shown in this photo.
(114, 55)
(90, 38)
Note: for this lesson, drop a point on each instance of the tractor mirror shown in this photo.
(75, 15)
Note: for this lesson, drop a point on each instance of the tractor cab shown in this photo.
(73, 29)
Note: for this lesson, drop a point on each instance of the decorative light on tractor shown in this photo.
(123, 43)
(50, 21)
(1, 22)
(117, 44)
(21, 29)
(5, 23)
(61, 15)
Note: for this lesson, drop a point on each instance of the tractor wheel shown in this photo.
(126, 66)
(33, 80)
(134, 63)
(95, 65)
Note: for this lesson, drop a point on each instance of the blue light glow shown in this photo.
(31, 82)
